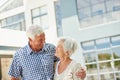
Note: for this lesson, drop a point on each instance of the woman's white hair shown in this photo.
(69, 44)
(33, 31)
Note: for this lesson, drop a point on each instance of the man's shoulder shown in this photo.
(49, 45)
(50, 48)
(21, 50)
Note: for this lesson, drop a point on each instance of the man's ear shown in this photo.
(30, 39)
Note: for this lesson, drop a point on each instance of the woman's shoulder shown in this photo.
(75, 65)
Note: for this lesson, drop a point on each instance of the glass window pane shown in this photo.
(93, 77)
(105, 67)
(84, 13)
(9, 20)
(13, 22)
(22, 15)
(96, 1)
(89, 45)
(115, 40)
(98, 9)
(116, 4)
(103, 43)
(107, 77)
(14, 26)
(23, 25)
(3, 22)
(83, 3)
(117, 76)
(37, 21)
(90, 57)
(109, 5)
(116, 53)
(106, 10)
(91, 68)
(43, 10)
(35, 12)
(104, 60)
(44, 21)
(117, 65)
(104, 55)
(0, 24)
(16, 18)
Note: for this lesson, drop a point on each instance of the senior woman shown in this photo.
(66, 68)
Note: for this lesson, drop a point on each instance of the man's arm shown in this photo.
(81, 73)
(13, 78)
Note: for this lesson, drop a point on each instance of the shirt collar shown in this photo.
(30, 51)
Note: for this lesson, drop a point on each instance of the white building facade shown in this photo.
(15, 17)
(95, 24)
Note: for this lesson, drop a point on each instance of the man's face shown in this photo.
(38, 43)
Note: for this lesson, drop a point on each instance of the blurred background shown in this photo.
(95, 24)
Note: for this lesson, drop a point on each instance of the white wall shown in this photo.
(12, 38)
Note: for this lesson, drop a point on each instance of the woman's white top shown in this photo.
(69, 73)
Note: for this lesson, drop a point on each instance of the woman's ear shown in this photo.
(68, 53)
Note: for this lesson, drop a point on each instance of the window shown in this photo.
(105, 67)
(109, 5)
(98, 9)
(84, 13)
(90, 57)
(58, 18)
(116, 5)
(35, 12)
(107, 76)
(93, 77)
(40, 16)
(102, 58)
(95, 12)
(89, 45)
(117, 76)
(117, 65)
(92, 68)
(3, 22)
(104, 55)
(16, 22)
(115, 40)
(102, 43)
(116, 52)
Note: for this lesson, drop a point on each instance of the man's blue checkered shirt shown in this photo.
(33, 66)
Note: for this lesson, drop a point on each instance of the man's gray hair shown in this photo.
(33, 31)
(69, 44)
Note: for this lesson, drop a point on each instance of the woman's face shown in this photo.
(60, 50)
